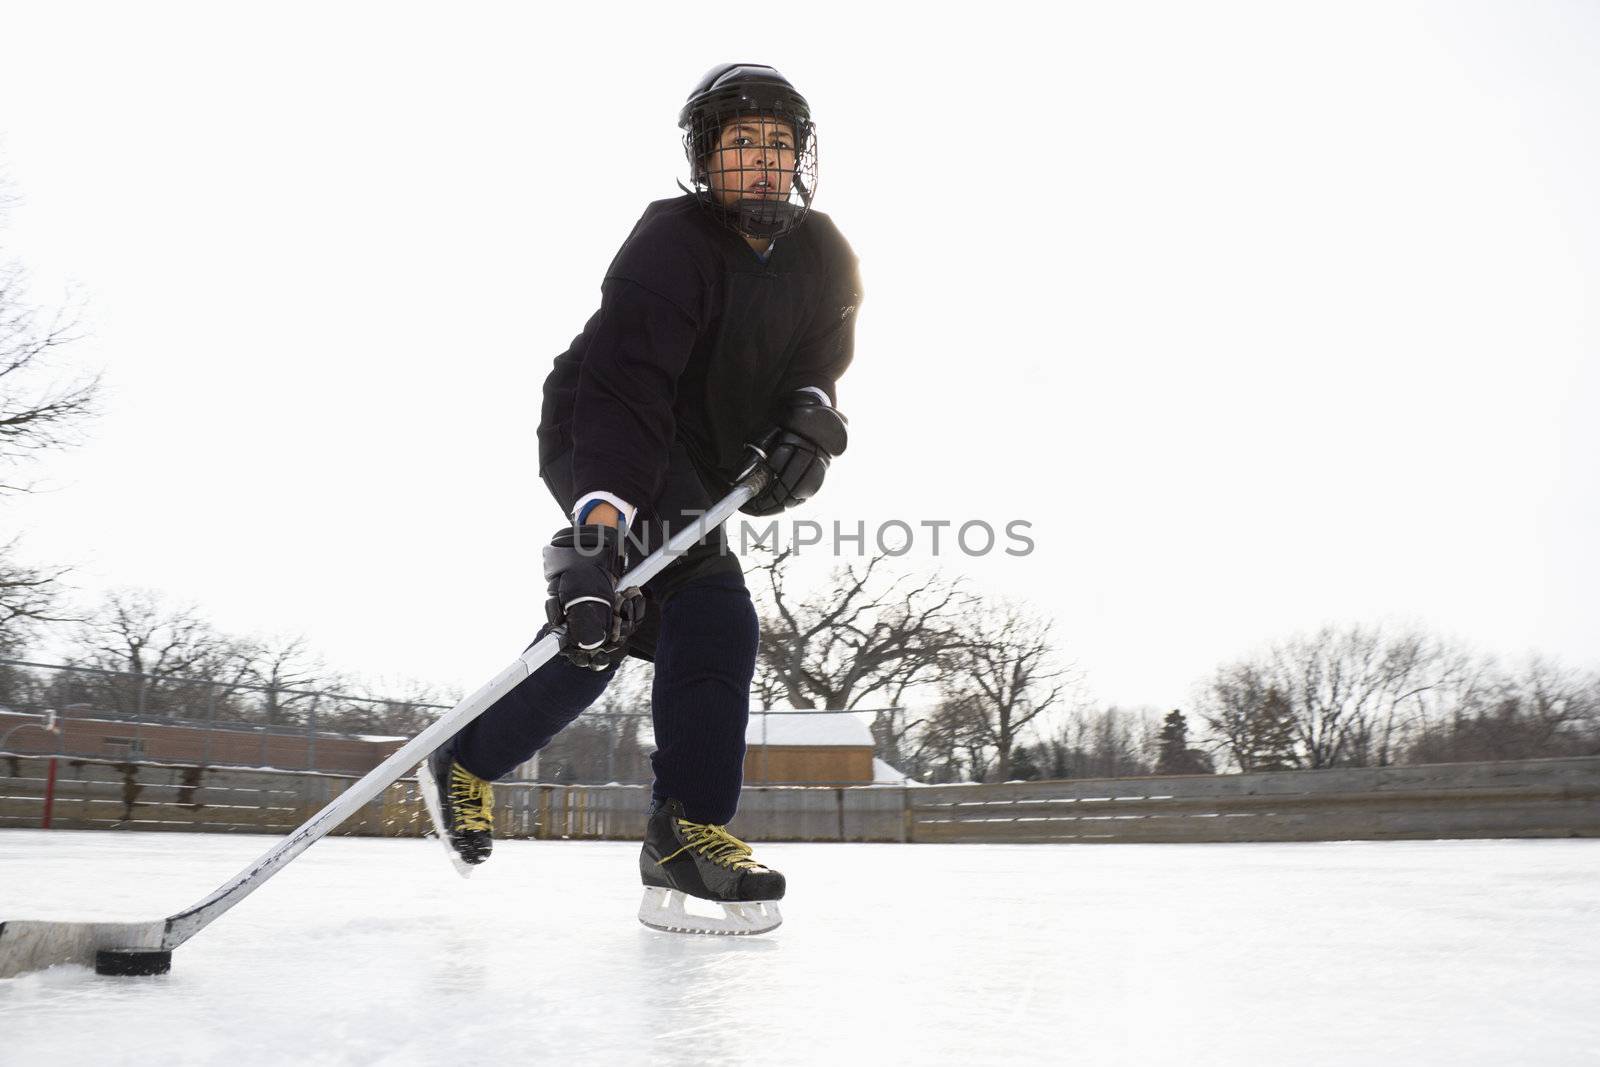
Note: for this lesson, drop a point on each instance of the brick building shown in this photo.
(99, 735)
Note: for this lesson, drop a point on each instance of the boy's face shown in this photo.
(754, 160)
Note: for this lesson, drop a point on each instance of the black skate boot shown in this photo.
(683, 859)
(461, 806)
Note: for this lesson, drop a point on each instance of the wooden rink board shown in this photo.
(1530, 798)
(1526, 798)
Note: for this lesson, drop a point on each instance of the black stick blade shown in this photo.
(131, 963)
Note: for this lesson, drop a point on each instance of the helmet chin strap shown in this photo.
(752, 218)
(764, 218)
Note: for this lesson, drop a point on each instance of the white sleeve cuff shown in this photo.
(821, 395)
(627, 509)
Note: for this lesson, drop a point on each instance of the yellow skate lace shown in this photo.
(472, 798)
(716, 845)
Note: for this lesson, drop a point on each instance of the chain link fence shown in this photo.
(93, 713)
(131, 717)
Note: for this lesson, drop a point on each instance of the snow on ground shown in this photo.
(374, 951)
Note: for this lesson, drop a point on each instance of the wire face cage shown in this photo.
(752, 150)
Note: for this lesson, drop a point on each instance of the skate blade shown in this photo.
(430, 800)
(665, 909)
(27, 945)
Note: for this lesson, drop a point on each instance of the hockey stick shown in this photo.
(146, 947)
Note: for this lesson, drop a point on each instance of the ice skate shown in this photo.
(684, 863)
(461, 806)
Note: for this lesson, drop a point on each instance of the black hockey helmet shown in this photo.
(718, 176)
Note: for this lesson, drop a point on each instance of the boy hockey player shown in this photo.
(725, 320)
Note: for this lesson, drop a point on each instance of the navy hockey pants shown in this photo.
(700, 629)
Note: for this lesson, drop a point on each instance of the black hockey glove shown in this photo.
(582, 564)
(797, 451)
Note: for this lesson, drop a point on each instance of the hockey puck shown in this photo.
(131, 964)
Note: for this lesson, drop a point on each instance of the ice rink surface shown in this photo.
(375, 951)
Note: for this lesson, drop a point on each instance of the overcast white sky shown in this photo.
(1264, 315)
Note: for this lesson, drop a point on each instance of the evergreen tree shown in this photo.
(1023, 766)
(1174, 754)
(1174, 742)
(1273, 742)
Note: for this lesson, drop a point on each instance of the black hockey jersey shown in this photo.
(697, 338)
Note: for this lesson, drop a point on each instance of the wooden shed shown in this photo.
(808, 748)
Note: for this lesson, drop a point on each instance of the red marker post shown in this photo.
(49, 794)
(51, 724)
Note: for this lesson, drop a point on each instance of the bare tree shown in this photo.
(964, 730)
(157, 652)
(1250, 719)
(1231, 705)
(1353, 696)
(937, 753)
(391, 708)
(863, 635)
(38, 411)
(895, 736)
(1001, 675)
(1540, 710)
(290, 677)
(20, 688)
(1565, 703)
(1355, 690)
(1103, 743)
(28, 596)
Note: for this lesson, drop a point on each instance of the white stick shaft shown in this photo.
(186, 924)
